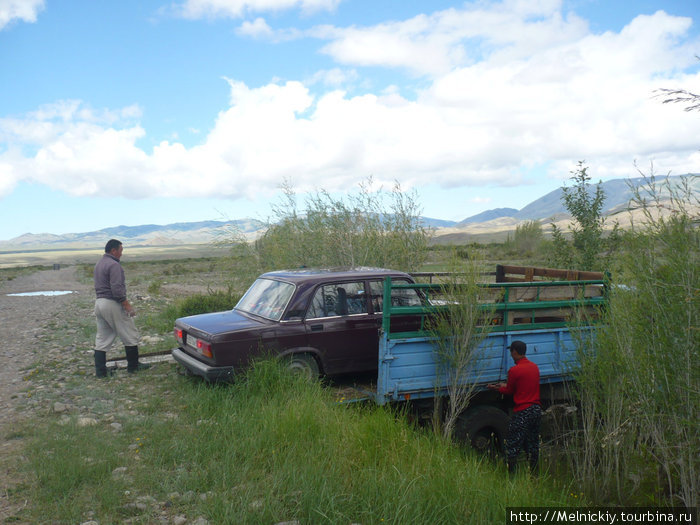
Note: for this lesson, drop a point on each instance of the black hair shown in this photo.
(519, 347)
(112, 244)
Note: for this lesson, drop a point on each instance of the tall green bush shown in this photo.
(640, 388)
(366, 228)
(588, 248)
(527, 239)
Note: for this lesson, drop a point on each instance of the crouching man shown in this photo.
(524, 426)
(113, 311)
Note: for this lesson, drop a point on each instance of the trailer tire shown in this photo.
(484, 428)
(304, 365)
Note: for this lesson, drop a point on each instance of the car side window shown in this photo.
(331, 300)
(398, 297)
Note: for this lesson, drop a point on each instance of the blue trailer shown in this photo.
(539, 312)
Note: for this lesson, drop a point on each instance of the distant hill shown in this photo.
(501, 220)
(437, 223)
(144, 235)
(489, 215)
(618, 194)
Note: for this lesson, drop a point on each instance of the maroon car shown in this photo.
(321, 321)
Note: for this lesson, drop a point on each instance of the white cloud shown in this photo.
(24, 10)
(335, 77)
(545, 94)
(258, 28)
(195, 9)
(435, 44)
(8, 180)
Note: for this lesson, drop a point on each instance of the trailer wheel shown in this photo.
(304, 365)
(484, 428)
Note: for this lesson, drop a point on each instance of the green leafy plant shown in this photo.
(587, 229)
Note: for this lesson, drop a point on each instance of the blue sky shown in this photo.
(139, 112)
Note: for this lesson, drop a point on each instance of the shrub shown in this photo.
(585, 204)
(368, 228)
(639, 389)
(155, 286)
(213, 301)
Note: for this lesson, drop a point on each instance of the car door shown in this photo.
(339, 326)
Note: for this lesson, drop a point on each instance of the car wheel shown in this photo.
(304, 365)
(484, 428)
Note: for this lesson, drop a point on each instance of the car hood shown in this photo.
(221, 322)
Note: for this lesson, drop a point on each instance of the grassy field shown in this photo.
(46, 257)
(158, 447)
(269, 449)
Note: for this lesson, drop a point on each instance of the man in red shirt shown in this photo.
(524, 426)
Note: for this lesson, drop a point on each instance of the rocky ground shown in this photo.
(24, 320)
(46, 368)
(37, 332)
(47, 371)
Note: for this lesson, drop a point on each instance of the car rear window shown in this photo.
(331, 300)
(267, 298)
(408, 297)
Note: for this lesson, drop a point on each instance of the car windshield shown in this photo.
(266, 298)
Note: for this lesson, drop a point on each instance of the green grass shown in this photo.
(8, 273)
(270, 448)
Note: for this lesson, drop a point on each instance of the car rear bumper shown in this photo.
(196, 367)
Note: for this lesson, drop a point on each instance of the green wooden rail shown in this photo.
(500, 307)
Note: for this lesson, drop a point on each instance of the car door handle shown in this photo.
(316, 327)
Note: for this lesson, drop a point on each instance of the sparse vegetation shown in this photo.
(8, 274)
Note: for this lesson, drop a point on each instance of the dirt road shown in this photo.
(23, 322)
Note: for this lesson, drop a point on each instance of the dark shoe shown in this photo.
(132, 360)
(101, 369)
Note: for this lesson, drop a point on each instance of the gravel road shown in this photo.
(23, 320)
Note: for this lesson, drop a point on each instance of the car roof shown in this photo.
(324, 274)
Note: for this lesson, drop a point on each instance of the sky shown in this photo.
(138, 112)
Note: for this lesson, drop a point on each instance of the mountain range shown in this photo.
(547, 208)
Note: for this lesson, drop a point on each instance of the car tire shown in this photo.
(484, 428)
(304, 365)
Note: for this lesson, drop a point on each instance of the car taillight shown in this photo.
(204, 348)
(178, 334)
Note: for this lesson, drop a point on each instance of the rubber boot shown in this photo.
(132, 360)
(100, 364)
